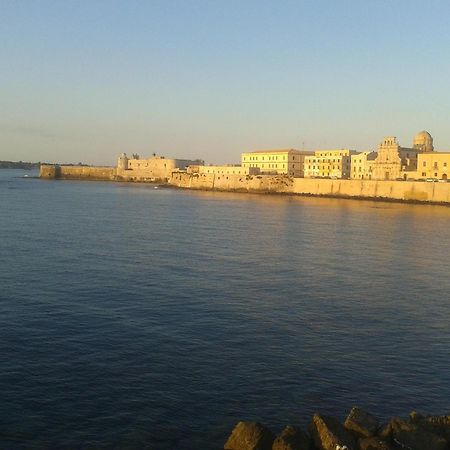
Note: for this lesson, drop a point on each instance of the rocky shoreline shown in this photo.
(360, 431)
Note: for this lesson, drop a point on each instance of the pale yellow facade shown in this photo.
(329, 164)
(432, 166)
(224, 170)
(362, 165)
(272, 162)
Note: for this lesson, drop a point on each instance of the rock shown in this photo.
(250, 436)
(410, 436)
(373, 443)
(361, 423)
(292, 438)
(385, 432)
(439, 425)
(328, 434)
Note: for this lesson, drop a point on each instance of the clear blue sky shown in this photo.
(86, 80)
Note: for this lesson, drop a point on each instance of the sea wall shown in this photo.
(395, 190)
(77, 173)
(390, 190)
(229, 182)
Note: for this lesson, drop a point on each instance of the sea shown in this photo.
(136, 317)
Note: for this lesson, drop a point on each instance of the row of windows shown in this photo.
(444, 175)
(333, 154)
(435, 165)
(223, 172)
(267, 165)
(308, 166)
(269, 158)
(325, 160)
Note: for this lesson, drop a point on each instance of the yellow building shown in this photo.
(361, 165)
(282, 161)
(432, 165)
(227, 169)
(329, 164)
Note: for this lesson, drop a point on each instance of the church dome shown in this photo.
(423, 142)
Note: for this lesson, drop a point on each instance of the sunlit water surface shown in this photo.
(134, 317)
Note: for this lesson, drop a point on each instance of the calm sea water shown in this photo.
(139, 318)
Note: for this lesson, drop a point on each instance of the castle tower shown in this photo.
(122, 162)
(423, 142)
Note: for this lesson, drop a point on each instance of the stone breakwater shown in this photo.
(403, 191)
(360, 431)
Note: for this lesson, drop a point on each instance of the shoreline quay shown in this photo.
(360, 431)
(374, 190)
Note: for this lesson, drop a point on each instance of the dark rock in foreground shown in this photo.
(329, 434)
(361, 431)
(292, 438)
(361, 423)
(411, 436)
(250, 436)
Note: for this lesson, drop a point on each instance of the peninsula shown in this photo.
(417, 173)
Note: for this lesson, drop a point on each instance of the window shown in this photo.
(424, 164)
(424, 174)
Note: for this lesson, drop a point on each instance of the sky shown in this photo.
(85, 80)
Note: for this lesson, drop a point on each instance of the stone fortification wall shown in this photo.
(396, 190)
(144, 174)
(49, 172)
(77, 172)
(155, 169)
(229, 182)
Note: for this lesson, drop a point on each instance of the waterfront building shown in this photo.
(228, 169)
(272, 162)
(393, 162)
(432, 165)
(361, 165)
(329, 164)
(151, 169)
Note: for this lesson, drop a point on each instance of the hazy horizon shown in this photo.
(85, 81)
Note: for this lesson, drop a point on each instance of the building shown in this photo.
(272, 162)
(227, 169)
(423, 142)
(152, 169)
(432, 165)
(361, 165)
(329, 164)
(393, 162)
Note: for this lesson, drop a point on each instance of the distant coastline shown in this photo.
(19, 165)
(26, 165)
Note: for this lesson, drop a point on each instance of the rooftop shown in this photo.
(280, 150)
